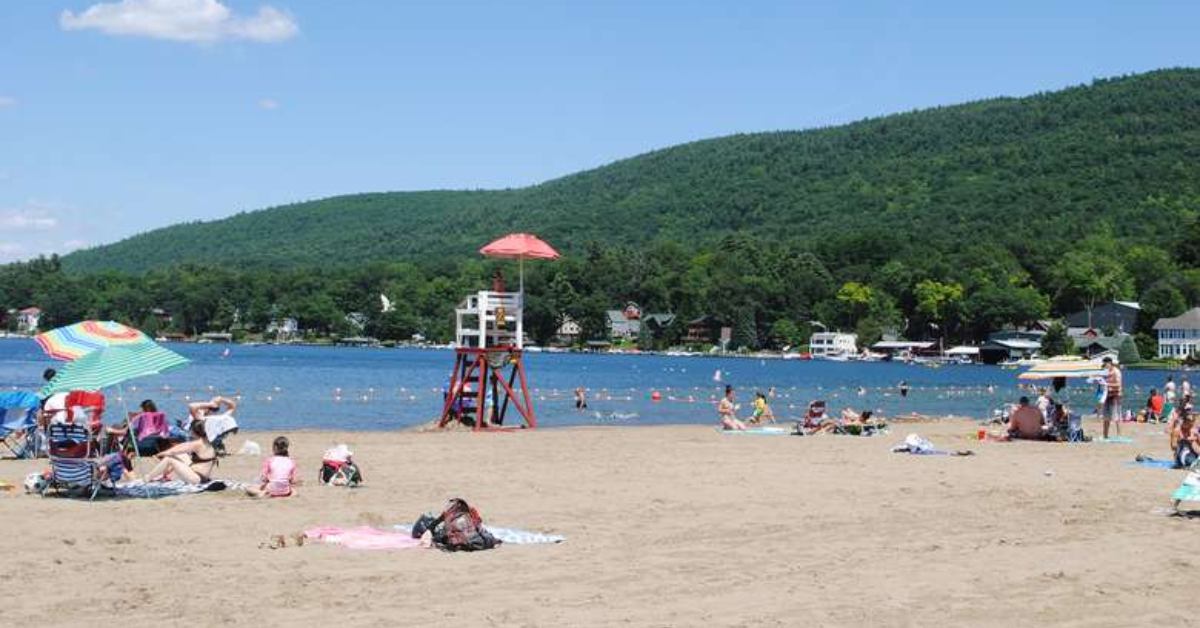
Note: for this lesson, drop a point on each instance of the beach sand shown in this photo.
(665, 526)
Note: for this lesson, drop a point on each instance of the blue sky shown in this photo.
(118, 117)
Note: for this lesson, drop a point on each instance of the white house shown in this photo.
(284, 329)
(28, 319)
(828, 343)
(1179, 337)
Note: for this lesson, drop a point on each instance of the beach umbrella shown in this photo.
(111, 366)
(520, 246)
(1066, 369)
(75, 341)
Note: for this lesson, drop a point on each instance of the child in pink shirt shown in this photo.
(278, 473)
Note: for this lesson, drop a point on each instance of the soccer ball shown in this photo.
(35, 483)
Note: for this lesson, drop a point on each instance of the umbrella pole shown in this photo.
(128, 427)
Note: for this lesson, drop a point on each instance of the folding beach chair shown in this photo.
(73, 459)
(18, 423)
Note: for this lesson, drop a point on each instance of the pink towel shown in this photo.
(363, 538)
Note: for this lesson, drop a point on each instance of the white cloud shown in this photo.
(24, 220)
(7, 101)
(268, 104)
(196, 21)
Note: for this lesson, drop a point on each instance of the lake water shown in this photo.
(288, 387)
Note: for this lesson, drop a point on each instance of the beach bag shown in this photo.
(460, 529)
(347, 472)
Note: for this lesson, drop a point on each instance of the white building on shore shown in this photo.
(1179, 337)
(833, 343)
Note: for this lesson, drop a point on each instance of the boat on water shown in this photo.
(833, 356)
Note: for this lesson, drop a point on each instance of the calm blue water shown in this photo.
(288, 387)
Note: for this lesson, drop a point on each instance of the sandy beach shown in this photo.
(665, 526)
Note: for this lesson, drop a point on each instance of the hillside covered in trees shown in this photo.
(954, 220)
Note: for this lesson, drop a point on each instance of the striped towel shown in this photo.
(511, 536)
(73, 471)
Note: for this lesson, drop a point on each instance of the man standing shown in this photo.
(1112, 401)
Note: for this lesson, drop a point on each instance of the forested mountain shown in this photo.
(951, 221)
(1011, 171)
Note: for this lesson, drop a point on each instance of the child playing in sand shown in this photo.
(762, 411)
(278, 473)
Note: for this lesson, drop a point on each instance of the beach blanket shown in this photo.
(1151, 463)
(1120, 440)
(512, 536)
(758, 431)
(364, 538)
(1189, 489)
(153, 490)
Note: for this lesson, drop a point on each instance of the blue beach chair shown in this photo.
(18, 423)
(73, 459)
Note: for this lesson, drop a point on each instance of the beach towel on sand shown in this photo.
(1118, 440)
(364, 538)
(508, 535)
(758, 431)
(154, 490)
(1152, 463)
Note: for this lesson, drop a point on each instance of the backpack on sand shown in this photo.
(458, 529)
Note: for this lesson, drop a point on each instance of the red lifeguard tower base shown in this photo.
(496, 374)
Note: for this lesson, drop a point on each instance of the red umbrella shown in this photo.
(520, 246)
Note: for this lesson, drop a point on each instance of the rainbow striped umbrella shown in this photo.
(75, 341)
(111, 366)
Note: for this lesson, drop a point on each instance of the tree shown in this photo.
(784, 333)
(745, 332)
(1161, 300)
(855, 298)
(1127, 353)
(937, 301)
(1085, 278)
(1056, 341)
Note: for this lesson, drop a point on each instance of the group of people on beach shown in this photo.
(187, 451)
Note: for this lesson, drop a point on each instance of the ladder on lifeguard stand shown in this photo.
(489, 372)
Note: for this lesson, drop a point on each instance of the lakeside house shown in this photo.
(568, 330)
(1121, 316)
(1179, 336)
(832, 343)
(624, 324)
(627, 324)
(1011, 344)
(705, 330)
(28, 320)
(1092, 343)
(285, 329)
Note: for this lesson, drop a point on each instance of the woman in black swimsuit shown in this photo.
(193, 461)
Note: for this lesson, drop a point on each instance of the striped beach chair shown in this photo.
(18, 423)
(73, 459)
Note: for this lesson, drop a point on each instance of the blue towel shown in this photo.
(1151, 463)
(760, 431)
(1123, 440)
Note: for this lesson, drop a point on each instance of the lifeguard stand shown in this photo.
(488, 365)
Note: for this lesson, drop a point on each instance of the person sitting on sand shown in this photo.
(149, 428)
(1186, 441)
(726, 412)
(1026, 422)
(762, 411)
(278, 473)
(192, 462)
(114, 466)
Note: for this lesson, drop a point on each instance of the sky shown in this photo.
(122, 116)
